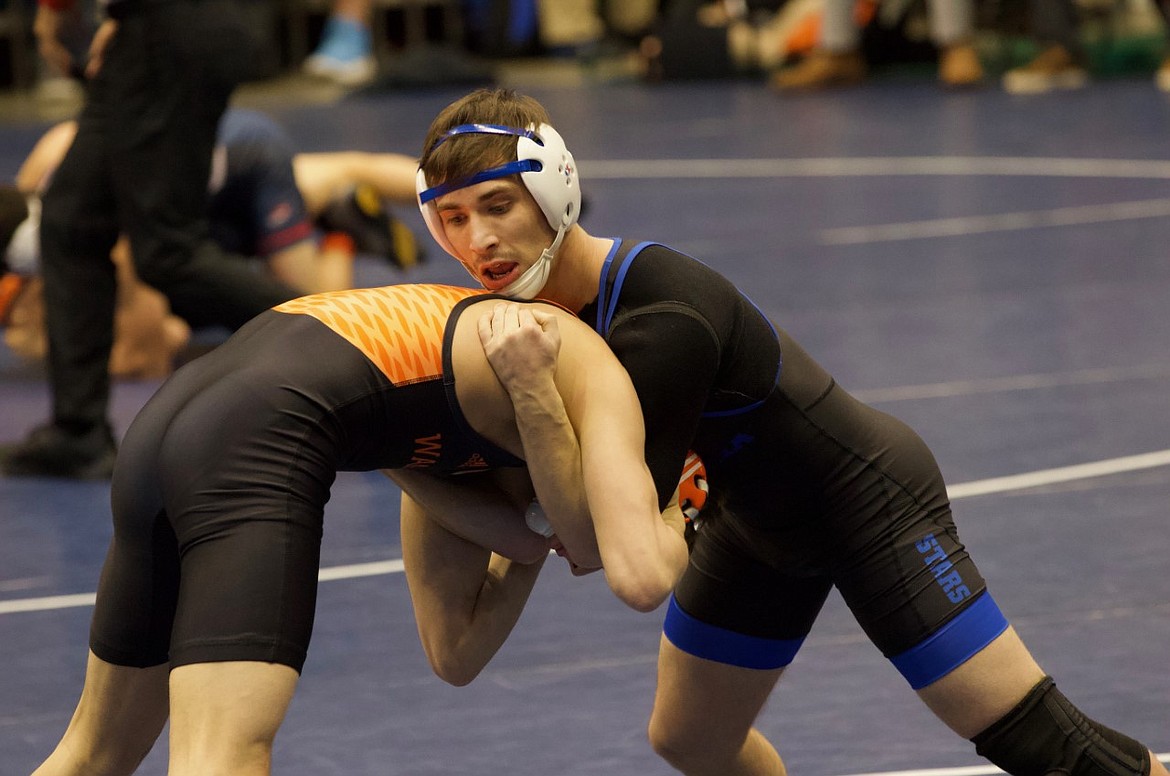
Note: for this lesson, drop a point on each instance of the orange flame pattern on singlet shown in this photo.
(399, 328)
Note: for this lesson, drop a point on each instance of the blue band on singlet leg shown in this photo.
(947, 649)
(723, 646)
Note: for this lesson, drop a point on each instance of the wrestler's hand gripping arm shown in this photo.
(582, 430)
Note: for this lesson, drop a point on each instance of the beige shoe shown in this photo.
(1053, 68)
(821, 70)
(1162, 78)
(959, 66)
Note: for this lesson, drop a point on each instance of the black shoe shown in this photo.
(362, 214)
(51, 451)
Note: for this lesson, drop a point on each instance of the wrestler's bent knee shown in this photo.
(688, 750)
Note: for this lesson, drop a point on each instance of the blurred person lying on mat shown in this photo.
(303, 216)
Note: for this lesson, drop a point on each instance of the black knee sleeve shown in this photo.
(1046, 734)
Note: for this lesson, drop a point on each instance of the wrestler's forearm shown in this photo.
(554, 464)
(466, 599)
(487, 511)
(474, 641)
(642, 551)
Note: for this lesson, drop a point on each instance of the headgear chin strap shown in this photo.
(528, 285)
(547, 170)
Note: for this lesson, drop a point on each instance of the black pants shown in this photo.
(140, 166)
(1057, 21)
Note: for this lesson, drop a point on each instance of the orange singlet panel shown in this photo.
(399, 328)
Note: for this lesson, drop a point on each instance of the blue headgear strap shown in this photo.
(483, 129)
(503, 171)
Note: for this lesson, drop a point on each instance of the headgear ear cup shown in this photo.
(430, 214)
(556, 187)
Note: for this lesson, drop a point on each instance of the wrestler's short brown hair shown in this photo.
(468, 154)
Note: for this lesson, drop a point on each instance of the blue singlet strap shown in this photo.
(608, 303)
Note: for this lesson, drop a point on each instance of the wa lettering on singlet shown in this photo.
(427, 451)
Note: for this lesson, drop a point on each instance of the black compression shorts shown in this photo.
(853, 498)
(222, 481)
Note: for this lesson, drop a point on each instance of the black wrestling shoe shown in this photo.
(362, 214)
(51, 451)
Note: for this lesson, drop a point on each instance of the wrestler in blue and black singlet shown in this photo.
(810, 488)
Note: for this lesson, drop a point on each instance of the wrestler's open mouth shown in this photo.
(498, 272)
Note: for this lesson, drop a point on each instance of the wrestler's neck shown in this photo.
(573, 279)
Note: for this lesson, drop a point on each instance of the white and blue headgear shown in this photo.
(545, 167)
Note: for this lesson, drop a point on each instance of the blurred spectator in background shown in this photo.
(839, 61)
(1061, 62)
(579, 27)
(345, 53)
(265, 203)
(159, 76)
(62, 42)
(1162, 77)
(697, 39)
